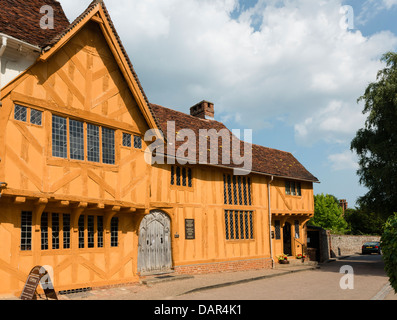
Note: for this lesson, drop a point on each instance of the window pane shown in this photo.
(59, 137)
(178, 176)
(172, 175)
(100, 231)
(81, 231)
(240, 193)
(137, 142)
(231, 220)
(26, 231)
(236, 224)
(298, 189)
(90, 231)
(76, 137)
(108, 146)
(66, 231)
(184, 177)
(277, 229)
(189, 177)
(241, 225)
(249, 191)
(224, 190)
(92, 143)
(35, 117)
(229, 188)
(20, 113)
(44, 231)
(293, 188)
(245, 190)
(287, 187)
(227, 224)
(247, 225)
(126, 140)
(55, 231)
(251, 224)
(114, 229)
(234, 190)
(297, 234)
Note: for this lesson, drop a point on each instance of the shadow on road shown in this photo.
(362, 265)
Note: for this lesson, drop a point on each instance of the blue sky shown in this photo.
(290, 70)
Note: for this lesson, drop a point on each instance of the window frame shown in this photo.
(132, 140)
(28, 115)
(293, 188)
(239, 225)
(88, 145)
(180, 174)
(48, 234)
(26, 234)
(237, 190)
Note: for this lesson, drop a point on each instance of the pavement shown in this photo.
(174, 287)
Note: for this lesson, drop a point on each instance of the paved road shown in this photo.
(369, 281)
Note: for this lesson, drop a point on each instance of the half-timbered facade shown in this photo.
(78, 195)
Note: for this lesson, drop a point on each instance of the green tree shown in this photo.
(362, 222)
(376, 143)
(328, 214)
(389, 250)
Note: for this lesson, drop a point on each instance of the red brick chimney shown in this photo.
(203, 110)
(343, 204)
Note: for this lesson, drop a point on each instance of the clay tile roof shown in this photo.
(264, 160)
(21, 19)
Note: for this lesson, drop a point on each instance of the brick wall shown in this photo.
(346, 244)
(225, 266)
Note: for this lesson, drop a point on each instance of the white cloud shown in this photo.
(343, 161)
(336, 123)
(389, 3)
(298, 63)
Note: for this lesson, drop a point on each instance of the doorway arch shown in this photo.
(154, 247)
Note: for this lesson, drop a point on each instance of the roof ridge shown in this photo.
(188, 115)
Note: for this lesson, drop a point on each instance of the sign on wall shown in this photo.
(189, 229)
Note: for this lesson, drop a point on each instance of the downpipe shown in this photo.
(270, 220)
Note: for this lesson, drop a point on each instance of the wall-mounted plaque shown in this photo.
(189, 229)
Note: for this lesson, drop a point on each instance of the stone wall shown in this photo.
(342, 245)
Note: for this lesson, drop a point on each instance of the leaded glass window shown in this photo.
(277, 229)
(181, 176)
(126, 140)
(26, 230)
(236, 190)
(59, 137)
(108, 150)
(297, 233)
(76, 137)
(55, 231)
(90, 231)
(20, 113)
(137, 142)
(36, 117)
(239, 225)
(92, 143)
(66, 231)
(81, 231)
(114, 232)
(100, 231)
(44, 231)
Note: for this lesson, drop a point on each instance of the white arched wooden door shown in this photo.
(154, 249)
